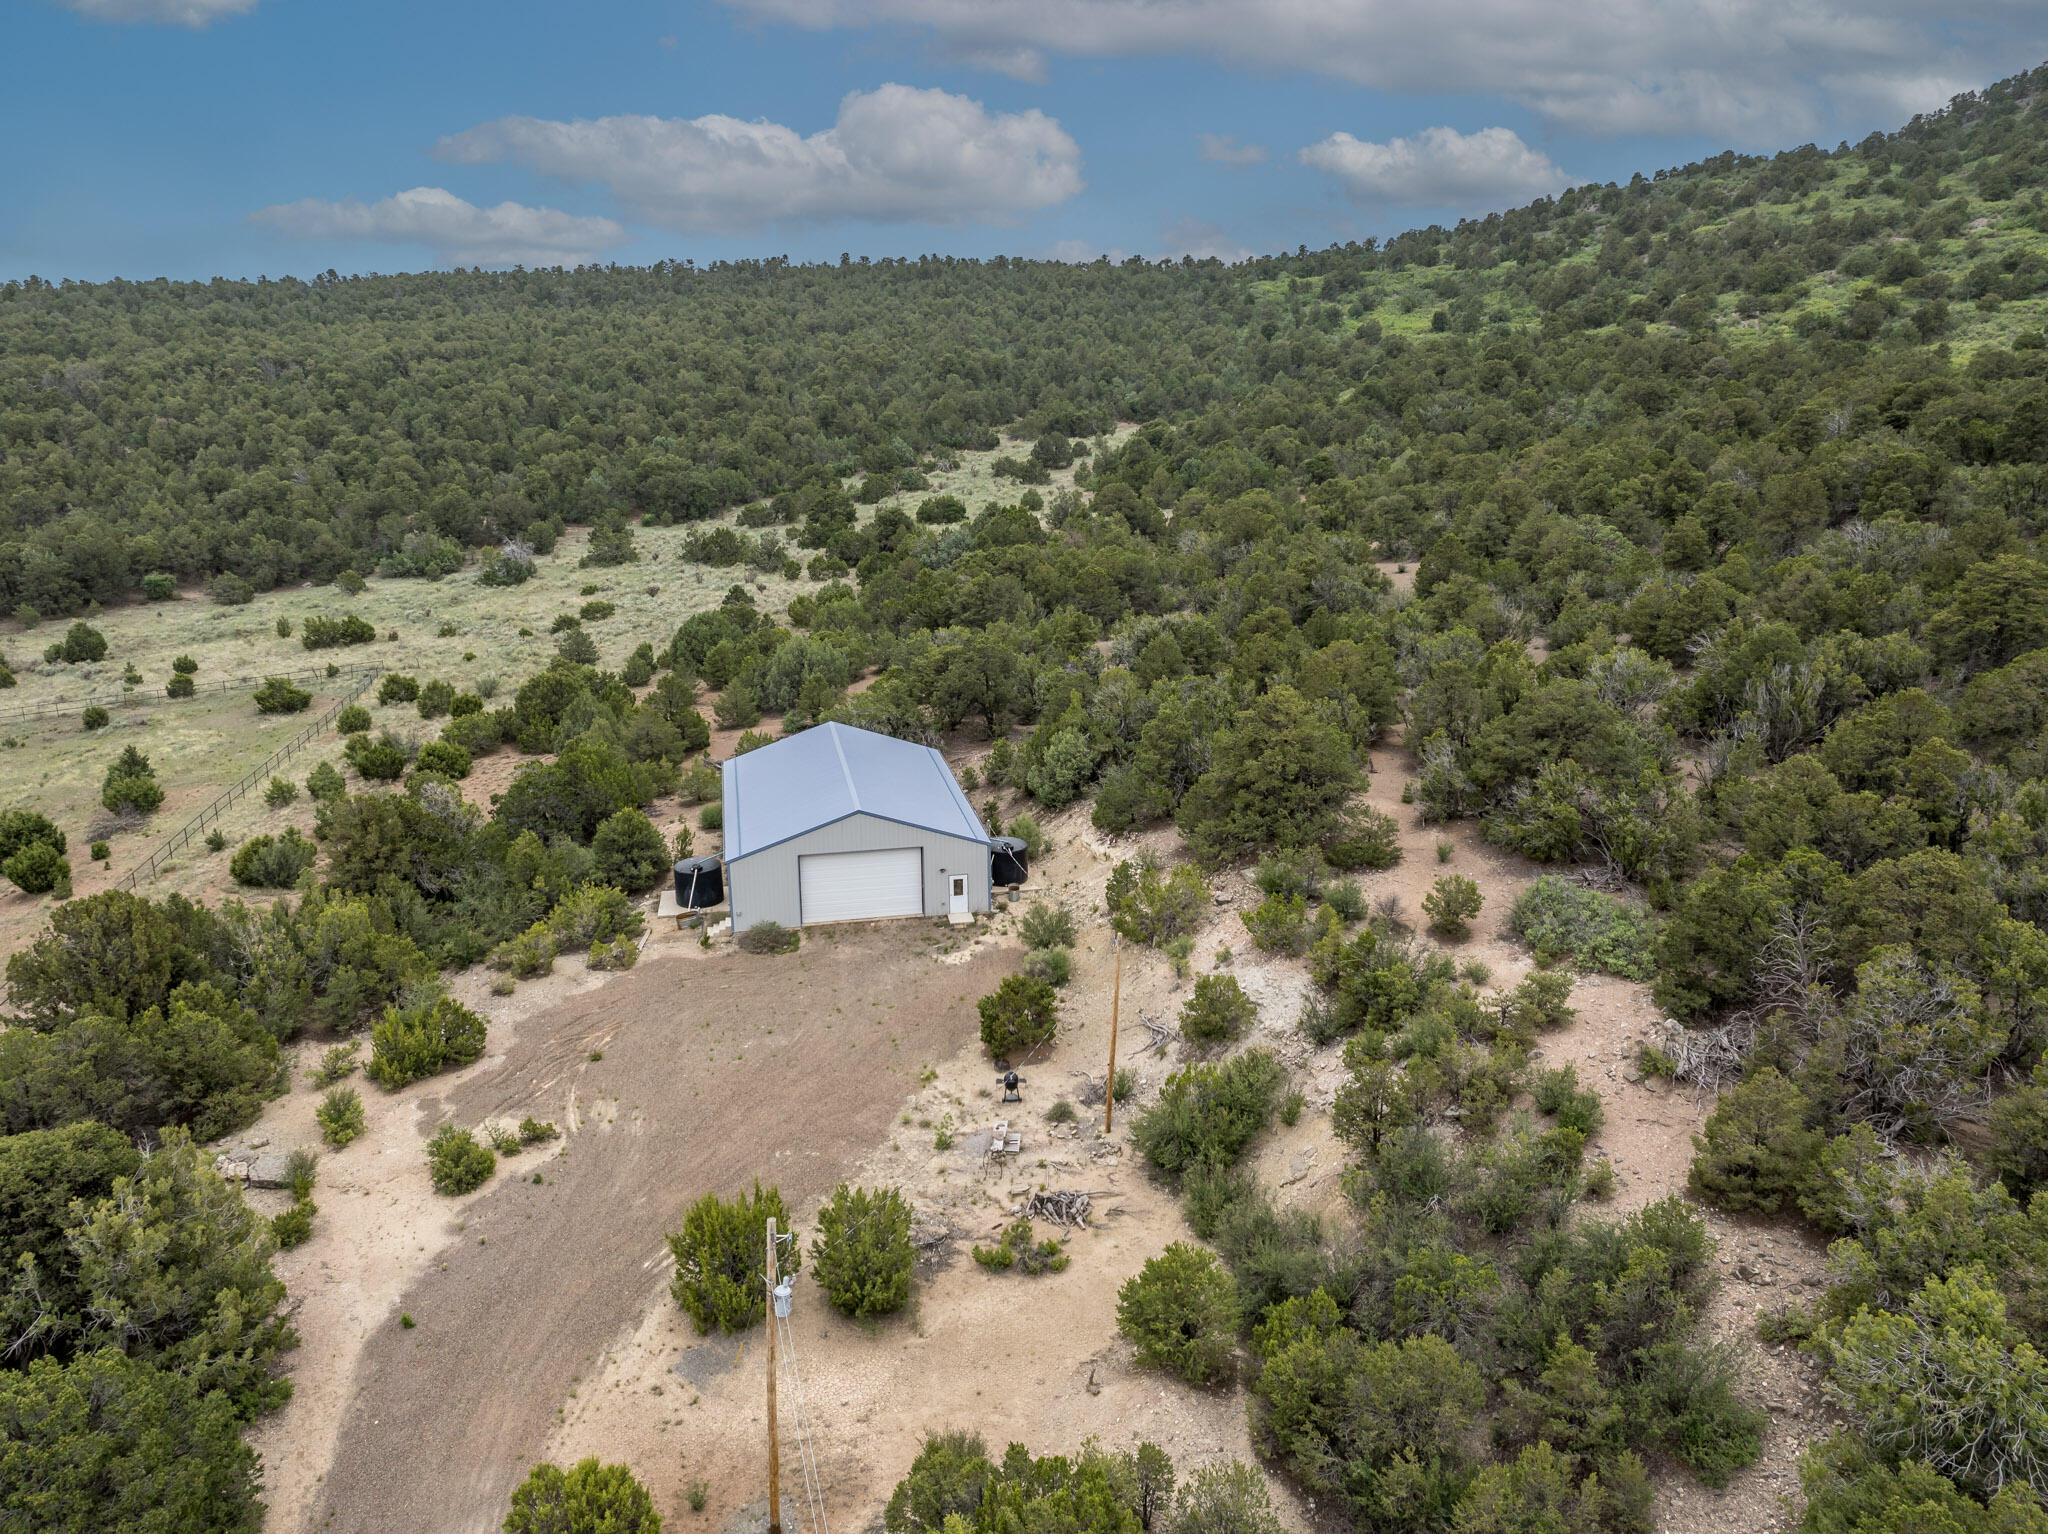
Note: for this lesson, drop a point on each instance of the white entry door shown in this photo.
(958, 897)
(861, 886)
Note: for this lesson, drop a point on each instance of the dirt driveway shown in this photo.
(716, 1069)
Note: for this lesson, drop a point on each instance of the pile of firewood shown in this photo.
(1064, 1207)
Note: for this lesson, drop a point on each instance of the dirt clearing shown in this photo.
(715, 1068)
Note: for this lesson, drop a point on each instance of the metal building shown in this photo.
(839, 824)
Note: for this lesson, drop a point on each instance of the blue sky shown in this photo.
(195, 138)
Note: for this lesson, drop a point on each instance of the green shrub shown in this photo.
(1149, 906)
(1047, 926)
(712, 817)
(589, 1499)
(529, 954)
(325, 782)
(294, 1227)
(1055, 966)
(2019, 1135)
(1559, 1094)
(273, 862)
(533, 1132)
(1540, 1004)
(1757, 1151)
(1208, 1115)
(629, 852)
(284, 628)
(1363, 838)
(1217, 1012)
(435, 698)
(159, 586)
(1280, 924)
(1026, 829)
(770, 937)
(100, 851)
(184, 665)
(340, 1116)
(353, 720)
(327, 633)
(1018, 1250)
(395, 688)
(1180, 1313)
(409, 1044)
(700, 784)
(378, 761)
(180, 687)
(721, 1259)
(443, 759)
(337, 1063)
(277, 695)
(95, 718)
(37, 868)
(81, 643)
(1346, 899)
(1019, 1015)
(861, 1252)
(279, 792)
(457, 1162)
(1564, 921)
(1451, 904)
(230, 591)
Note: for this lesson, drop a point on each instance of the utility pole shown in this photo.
(774, 1442)
(1116, 991)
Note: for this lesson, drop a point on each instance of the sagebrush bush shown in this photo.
(1563, 921)
(457, 1162)
(861, 1252)
(721, 1258)
(1047, 926)
(1180, 1313)
(1055, 966)
(1217, 1012)
(770, 937)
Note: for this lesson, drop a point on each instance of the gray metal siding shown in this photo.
(764, 887)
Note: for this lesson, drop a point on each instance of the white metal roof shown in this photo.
(822, 775)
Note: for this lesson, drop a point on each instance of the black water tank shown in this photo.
(700, 883)
(1007, 863)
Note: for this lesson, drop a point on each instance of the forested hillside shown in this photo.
(1724, 492)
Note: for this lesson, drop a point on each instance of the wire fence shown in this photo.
(134, 697)
(182, 837)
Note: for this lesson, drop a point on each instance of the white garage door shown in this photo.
(861, 886)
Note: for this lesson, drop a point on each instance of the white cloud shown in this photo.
(162, 13)
(1437, 168)
(459, 233)
(1081, 253)
(1751, 71)
(1223, 149)
(895, 155)
(1192, 237)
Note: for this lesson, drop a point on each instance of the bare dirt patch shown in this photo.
(716, 1066)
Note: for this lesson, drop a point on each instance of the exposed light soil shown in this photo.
(716, 1066)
